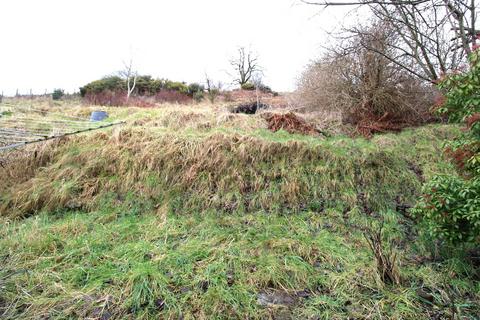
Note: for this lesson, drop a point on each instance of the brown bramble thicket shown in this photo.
(117, 99)
(290, 123)
(461, 155)
(371, 93)
(474, 118)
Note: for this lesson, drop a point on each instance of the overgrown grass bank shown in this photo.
(220, 223)
(273, 172)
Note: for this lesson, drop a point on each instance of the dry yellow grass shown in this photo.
(190, 157)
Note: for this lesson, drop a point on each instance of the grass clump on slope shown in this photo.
(227, 172)
(220, 225)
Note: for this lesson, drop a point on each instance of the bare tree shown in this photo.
(245, 66)
(130, 76)
(433, 36)
(364, 88)
(213, 90)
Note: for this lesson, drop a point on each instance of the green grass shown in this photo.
(144, 264)
(224, 222)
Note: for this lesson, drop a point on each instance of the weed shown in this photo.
(385, 258)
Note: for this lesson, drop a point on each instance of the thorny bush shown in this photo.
(368, 91)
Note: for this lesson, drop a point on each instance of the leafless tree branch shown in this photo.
(432, 38)
(245, 66)
(130, 76)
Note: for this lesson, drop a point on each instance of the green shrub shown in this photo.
(194, 88)
(450, 206)
(176, 86)
(156, 85)
(212, 94)
(198, 96)
(112, 83)
(144, 85)
(58, 94)
(260, 86)
(248, 86)
(264, 88)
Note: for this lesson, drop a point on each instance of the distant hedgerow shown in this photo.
(111, 91)
(113, 83)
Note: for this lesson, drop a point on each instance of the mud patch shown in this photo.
(280, 298)
(265, 299)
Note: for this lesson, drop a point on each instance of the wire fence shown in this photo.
(22, 126)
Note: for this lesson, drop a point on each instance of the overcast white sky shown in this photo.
(64, 44)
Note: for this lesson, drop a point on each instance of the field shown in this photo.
(192, 212)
